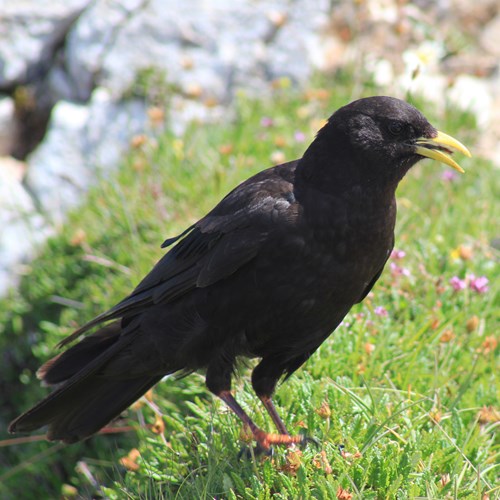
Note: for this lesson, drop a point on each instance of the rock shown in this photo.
(217, 45)
(22, 227)
(83, 142)
(29, 32)
(7, 125)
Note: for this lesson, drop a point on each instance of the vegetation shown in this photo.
(403, 398)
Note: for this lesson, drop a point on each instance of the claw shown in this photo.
(310, 440)
(249, 453)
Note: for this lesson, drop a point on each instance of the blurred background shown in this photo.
(123, 93)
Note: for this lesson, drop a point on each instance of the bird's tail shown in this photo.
(86, 398)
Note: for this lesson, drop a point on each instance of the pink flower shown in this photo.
(457, 284)
(397, 254)
(299, 136)
(266, 122)
(479, 285)
(399, 271)
(381, 311)
(448, 175)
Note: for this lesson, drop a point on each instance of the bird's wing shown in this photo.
(212, 249)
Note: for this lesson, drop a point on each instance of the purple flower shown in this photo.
(381, 311)
(399, 271)
(397, 254)
(266, 122)
(448, 175)
(457, 284)
(299, 136)
(479, 285)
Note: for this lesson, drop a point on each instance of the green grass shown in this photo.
(402, 393)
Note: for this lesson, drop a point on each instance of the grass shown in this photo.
(403, 398)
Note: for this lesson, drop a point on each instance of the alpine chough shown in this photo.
(269, 273)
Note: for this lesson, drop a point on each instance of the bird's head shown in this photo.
(382, 137)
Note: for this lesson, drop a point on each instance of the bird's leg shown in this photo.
(264, 439)
(271, 409)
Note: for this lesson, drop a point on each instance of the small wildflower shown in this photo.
(293, 461)
(457, 284)
(281, 83)
(138, 141)
(299, 136)
(305, 111)
(398, 254)
(465, 252)
(225, 149)
(210, 102)
(445, 479)
(488, 415)
(278, 157)
(320, 461)
(318, 94)
(462, 252)
(435, 323)
(399, 271)
(79, 237)
(489, 345)
(479, 285)
(156, 115)
(130, 461)
(159, 426)
(348, 455)
(435, 415)
(343, 494)
(280, 141)
(472, 324)
(369, 348)
(193, 90)
(278, 18)
(266, 122)
(324, 410)
(446, 336)
(381, 311)
(449, 176)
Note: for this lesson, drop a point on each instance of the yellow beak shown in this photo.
(438, 148)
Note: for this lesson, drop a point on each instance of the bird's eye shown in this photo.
(395, 128)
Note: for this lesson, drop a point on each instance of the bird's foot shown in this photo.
(266, 439)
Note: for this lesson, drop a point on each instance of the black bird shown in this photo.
(269, 273)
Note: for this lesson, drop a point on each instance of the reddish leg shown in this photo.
(264, 439)
(271, 409)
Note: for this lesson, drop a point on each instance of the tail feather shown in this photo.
(76, 358)
(86, 397)
(76, 412)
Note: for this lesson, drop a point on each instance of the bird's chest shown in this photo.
(349, 244)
